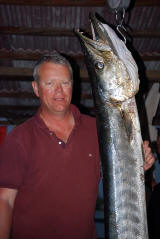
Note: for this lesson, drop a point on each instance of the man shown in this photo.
(49, 166)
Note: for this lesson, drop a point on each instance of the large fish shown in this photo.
(115, 82)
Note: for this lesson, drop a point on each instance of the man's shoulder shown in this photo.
(22, 129)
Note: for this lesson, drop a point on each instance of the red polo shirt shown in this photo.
(57, 183)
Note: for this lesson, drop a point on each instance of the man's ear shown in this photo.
(35, 88)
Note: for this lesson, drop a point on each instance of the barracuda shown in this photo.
(114, 77)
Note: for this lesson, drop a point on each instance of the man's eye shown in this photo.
(66, 83)
(49, 83)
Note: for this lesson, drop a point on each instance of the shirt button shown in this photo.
(50, 133)
(60, 142)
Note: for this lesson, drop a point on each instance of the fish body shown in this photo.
(114, 77)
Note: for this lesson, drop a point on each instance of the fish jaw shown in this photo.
(115, 71)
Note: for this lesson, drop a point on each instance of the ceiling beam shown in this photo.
(20, 95)
(147, 33)
(84, 3)
(13, 72)
(36, 31)
(31, 55)
(66, 32)
(35, 55)
(150, 57)
(153, 75)
(5, 108)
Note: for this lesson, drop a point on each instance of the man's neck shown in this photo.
(60, 124)
(49, 117)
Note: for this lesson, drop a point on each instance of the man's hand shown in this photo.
(149, 157)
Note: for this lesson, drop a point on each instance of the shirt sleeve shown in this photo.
(12, 163)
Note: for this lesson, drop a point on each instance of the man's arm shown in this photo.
(7, 199)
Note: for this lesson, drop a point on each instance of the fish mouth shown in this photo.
(99, 41)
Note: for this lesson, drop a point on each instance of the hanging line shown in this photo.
(119, 15)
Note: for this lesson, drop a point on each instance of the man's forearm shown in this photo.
(5, 219)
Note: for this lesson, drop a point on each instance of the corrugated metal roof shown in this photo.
(70, 18)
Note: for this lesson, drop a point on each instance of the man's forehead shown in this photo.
(53, 64)
(57, 67)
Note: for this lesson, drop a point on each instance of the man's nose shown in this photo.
(58, 87)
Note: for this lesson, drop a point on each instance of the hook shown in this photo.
(120, 21)
(119, 27)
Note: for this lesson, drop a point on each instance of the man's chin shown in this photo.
(60, 108)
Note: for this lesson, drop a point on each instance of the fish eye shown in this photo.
(99, 65)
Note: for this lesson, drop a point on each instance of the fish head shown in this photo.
(110, 63)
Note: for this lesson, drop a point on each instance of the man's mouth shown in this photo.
(58, 99)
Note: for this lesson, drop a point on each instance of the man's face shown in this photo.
(54, 88)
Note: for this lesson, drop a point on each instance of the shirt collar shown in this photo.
(75, 111)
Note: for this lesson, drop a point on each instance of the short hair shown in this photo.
(55, 58)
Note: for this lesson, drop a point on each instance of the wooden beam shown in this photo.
(150, 57)
(36, 31)
(31, 55)
(55, 2)
(21, 95)
(147, 3)
(153, 75)
(85, 3)
(10, 30)
(20, 55)
(35, 55)
(147, 33)
(13, 72)
(16, 78)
